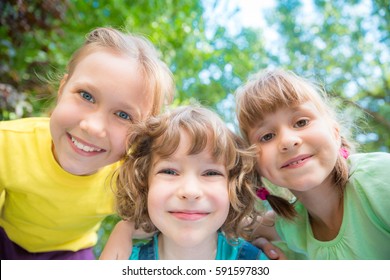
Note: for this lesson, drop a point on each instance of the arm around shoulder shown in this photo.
(119, 244)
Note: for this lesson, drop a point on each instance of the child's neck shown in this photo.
(326, 226)
(170, 250)
(326, 210)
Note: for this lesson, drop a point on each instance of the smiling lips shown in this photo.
(296, 162)
(83, 146)
(189, 215)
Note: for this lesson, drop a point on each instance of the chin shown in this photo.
(186, 240)
(76, 170)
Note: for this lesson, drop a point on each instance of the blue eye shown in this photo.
(168, 171)
(267, 137)
(123, 115)
(87, 96)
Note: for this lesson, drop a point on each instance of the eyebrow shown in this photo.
(259, 125)
(82, 83)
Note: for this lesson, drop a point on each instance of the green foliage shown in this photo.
(344, 44)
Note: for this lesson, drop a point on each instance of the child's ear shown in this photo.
(62, 85)
(336, 132)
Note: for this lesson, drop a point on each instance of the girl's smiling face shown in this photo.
(188, 198)
(297, 147)
(96, 104)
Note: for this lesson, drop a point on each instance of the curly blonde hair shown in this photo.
(160, 136)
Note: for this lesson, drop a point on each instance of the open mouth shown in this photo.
(83, 146)
(296, 161)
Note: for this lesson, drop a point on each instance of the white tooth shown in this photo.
(296, 162)
(84, 147)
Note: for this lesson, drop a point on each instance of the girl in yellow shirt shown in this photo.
(54, 171)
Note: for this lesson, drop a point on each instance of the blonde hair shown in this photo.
(160, 136)
(270, 90)
(158, 79)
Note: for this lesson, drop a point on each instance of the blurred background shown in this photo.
(212, 47)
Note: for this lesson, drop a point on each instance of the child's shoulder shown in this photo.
(23, 125)
(367, 169)
(250, 252)
(145, 249)
(237, 249)
(369, 162)
(369, 182)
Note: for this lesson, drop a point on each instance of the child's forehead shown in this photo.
(182, 137)
(293, 108)
(99, 54)
(185, 142)
(107, 73)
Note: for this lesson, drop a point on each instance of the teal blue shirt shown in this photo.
(225, 250)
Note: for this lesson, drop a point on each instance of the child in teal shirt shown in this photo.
(188, 177)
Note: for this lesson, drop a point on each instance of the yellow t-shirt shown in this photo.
(45, 208)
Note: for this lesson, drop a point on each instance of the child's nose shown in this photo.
(289, 140)
(190, 189)
(95, 125)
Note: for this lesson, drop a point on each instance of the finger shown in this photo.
(268, 219)
(268, 248)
